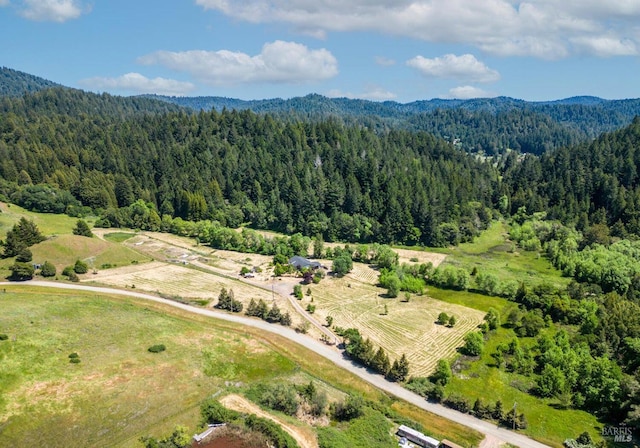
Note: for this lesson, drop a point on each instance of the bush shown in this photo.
(157, 348)
(352, 407)
(4, 337)
(74, 355)
(213, 412)
(24, 255)
(74, 277)
(48, 270)
(75, 361)
(82, 229)
(21, 271)
(297, 292)
(80, 267)
(67, 271)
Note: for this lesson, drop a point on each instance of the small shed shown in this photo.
(299, 263)
(417, 437)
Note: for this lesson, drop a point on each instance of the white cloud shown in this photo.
(278, 62)
(465, 67)
(385, 62)
(373, 93)
(541, 28)
(51, 10)
(137, 83)
(469, 92)
(604, 46)
(4, 3)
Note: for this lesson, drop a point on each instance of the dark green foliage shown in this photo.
(276, 435)
(178, 439)
(352, 407)
(280, 397)
(452, 321)
(342, 264)
(48, 269)
(257, 309)
(227, 301)
(24, 255)
(297, 292)
(274, 315)
(213, 412)
(82, 229)
(22, 235)
(21, 271)
(16, 83)
(75, 361)
(46, 199)
(80, 267)
(285, 319)
(399, 370)
(3, 336)
(157, 348)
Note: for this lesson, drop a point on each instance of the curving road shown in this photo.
(332, 355)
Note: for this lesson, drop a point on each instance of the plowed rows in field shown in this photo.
(408, 328)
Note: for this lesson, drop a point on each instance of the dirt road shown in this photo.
(329, 353)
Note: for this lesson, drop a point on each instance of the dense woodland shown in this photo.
(143, 163)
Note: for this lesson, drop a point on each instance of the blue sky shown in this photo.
(402, 50)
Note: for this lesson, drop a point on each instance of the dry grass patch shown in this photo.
(408, 328)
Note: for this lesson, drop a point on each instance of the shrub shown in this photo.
(352, 407)
(311, 308)
(67, 271)
(443, 318)
(75, 361)
(74, 355)
(213, 412)
(4, 337)
(48, 269)
(80, 267)
(297, 292)
(74, 277)
(82, 229)
(21, 271)
(157, 348)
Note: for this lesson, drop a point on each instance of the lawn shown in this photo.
(119, 391)
(48, 223)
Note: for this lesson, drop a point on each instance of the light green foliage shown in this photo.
(473, 344)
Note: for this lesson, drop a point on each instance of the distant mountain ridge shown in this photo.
(17, 83)
(483, 125)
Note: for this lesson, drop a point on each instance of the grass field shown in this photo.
(493, 253)
(120, 391)
(48, 223)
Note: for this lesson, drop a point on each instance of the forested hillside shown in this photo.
(489, 125)
(16, 83)
(316, 178)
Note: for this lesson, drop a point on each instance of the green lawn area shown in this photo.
(118, 237)
(548, 422)
(48, 223)
(491, 252)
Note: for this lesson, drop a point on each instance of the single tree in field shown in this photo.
(443, 318)
(82, 229)
(80, 267)
(329, 321)
(452, 321)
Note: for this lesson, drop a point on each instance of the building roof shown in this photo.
(405, 430)
(300, 262)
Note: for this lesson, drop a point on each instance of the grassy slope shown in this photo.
(120, 391)
(62, 248)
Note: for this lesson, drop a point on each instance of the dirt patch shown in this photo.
(305, 437)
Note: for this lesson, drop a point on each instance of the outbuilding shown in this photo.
(417, 437)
